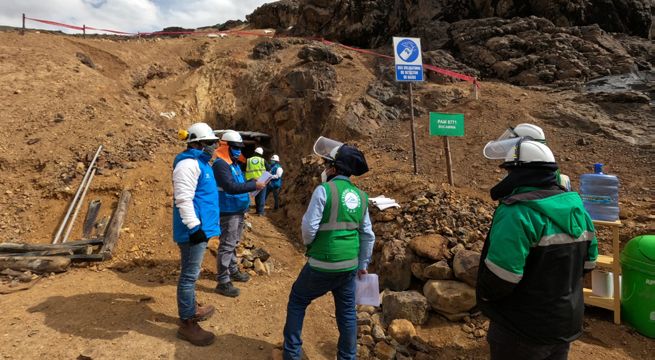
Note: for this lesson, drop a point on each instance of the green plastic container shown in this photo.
(638, 285)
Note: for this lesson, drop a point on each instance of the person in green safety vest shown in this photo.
(255, 168)
(337, 231)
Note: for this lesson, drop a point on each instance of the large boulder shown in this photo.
(438, 271)
(433, 246)
(408, 305)
(449, 296)
(395, 268)
(465, 266)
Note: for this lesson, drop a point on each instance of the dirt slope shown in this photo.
(56, 111)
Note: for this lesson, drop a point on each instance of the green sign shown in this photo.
(442, 124)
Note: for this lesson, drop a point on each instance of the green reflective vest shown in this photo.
(336, 246)
(255, 168)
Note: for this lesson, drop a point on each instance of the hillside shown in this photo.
(63, 96)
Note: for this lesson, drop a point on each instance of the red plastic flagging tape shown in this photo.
(56, 23)
(436, 69)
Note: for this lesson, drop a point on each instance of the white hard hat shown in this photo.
(200, 132)
(275, 158)
(327, 148)
(233, 138)
(259, 151)
(524, 130)
(528, 151)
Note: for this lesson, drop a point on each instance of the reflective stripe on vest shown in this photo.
(332, 266)
(332, 223)
(255, 168)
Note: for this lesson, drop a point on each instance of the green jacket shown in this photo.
(540, 243)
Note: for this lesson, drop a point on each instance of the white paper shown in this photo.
(265, 178)
(367, 290)
(383, 202)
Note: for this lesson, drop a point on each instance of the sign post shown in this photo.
(409, 67)
(444, 124)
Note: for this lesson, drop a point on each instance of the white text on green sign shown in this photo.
(444, 124)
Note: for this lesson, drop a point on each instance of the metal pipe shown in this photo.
(79, 205)
(77, 194)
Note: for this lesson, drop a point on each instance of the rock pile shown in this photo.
(397, 339)
(251, 259)
(432, 244)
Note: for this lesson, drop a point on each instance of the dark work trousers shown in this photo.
(505, 346)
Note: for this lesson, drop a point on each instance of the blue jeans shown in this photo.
(276, 195)
(312, 284)
(260, 201)
(190, 260)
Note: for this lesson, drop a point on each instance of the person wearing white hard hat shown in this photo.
(275, 184)
(255, 168)
(540, 244)
(337, 231)
(537, 134)
(195, 221)
(234, 199)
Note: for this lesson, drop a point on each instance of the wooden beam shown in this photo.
(115, 224)
(87, 257)
(77, 248)
(56, 252)
(37, 264)
(90, 219)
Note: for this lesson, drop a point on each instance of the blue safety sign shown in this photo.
(409, 62)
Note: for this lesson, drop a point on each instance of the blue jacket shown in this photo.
(276, 183)
(205, 199)
(232, 188)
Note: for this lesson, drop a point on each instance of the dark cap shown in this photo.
(350, 161)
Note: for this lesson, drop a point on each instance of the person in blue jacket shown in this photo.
(234, 199)
(276, 180)
(195, 221)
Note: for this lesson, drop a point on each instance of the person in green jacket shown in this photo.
(537, 134)
(540, 244)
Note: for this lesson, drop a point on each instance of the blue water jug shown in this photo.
(600, 194)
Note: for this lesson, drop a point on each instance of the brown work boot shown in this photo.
(192, 332)
(203, 312)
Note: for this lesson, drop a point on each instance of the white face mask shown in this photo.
(324, 176)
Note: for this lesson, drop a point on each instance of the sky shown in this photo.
(126, 15)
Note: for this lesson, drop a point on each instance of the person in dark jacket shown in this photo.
(540, 244)
(234, 200)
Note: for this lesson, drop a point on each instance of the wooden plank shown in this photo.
(598, 301)
(605, 261)
(25, 248)
(56, 252)
(87, 257)
(115, 224)
(90, 219)
(38, 264)
(616, 223)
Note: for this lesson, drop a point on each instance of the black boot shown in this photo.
(228, 289)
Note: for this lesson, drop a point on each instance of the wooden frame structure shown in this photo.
(608, 262)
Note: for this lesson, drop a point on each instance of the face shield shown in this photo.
(326, 148)
(498, 150)
(508, 134)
